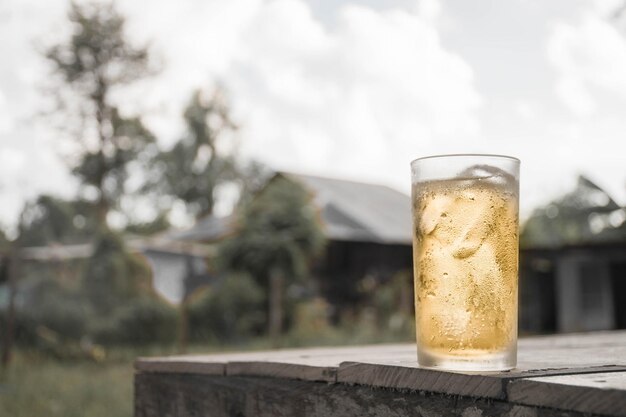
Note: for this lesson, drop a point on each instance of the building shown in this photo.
(573, 263)
(565, 285)
(368, 228)
(573, 288)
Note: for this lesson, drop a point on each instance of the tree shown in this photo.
(50, 219)
(89, 67)
(230, 310)
(585, 215)
(114, 276)
(279, 234)
(197, 165)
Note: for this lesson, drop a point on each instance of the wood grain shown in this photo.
(180, 364)
(313, 364)
(395, 366)
(483, 385)
(543, 356)
(598, 393)
(179, 395)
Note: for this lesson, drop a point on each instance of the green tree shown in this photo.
(197, 165)
(158, 224)
(88, 69)
(587, 214)
(114, 276)
(49, 219)
(230, 310)
(279, 234)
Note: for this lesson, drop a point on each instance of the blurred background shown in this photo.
(196, 176)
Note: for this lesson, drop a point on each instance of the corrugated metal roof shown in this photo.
(359, 211)
(208, 229)
(57, 252)
(352, 211)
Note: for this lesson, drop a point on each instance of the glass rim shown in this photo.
(482, 155)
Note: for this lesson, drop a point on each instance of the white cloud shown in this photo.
(361, 99)
(589, 57)
(526, 110)
(606, 7)
(6, 122)
(194, 40)
(28, 163)
(364, 91)
(429, 9)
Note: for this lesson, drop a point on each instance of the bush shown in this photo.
(388, 314)
(114, 276)
(54, 310)
(311, 324)
(234, 309)
(143, 321)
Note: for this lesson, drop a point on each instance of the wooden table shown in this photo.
(566, 375)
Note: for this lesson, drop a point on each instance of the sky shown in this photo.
(349, 89)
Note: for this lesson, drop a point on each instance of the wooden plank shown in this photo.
(575, 340)
(539, 357)
(314, 364)
(283, 370)
(395, 366)
(318, 364)
(180, 364)
(599, 393)
(165, 395)
(530, 360)
(407, 375)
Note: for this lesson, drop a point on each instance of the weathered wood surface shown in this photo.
(603, 393)
(542, 356)
(184, 395)
(559, 371)
(312, 364)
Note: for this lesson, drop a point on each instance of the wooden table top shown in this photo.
(577, 372)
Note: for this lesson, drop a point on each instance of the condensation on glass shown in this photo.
(465, 256)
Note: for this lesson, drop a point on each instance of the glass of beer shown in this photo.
(465, 257)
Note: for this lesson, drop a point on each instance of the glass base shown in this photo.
(468, 360)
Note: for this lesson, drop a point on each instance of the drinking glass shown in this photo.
(465, 257)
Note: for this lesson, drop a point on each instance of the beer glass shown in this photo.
(465, 257)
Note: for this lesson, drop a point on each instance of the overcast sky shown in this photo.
(353, 89)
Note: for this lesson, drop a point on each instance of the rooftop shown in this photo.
(350, 211)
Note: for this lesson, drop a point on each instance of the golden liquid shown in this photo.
(465, 253)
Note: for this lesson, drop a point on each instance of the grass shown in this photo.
(38, 386)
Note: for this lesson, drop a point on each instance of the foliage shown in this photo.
(50, 219)
(233, 309)
(279, 233)
(159, 224)
(65, 312)
(278, 229)
(252, 178)
(197, 165)
(585, 215)
(393, 304)
(41, 386)
(113, 276)
(52, 316)
(89, 68)
(146, 320)
(311, 324)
